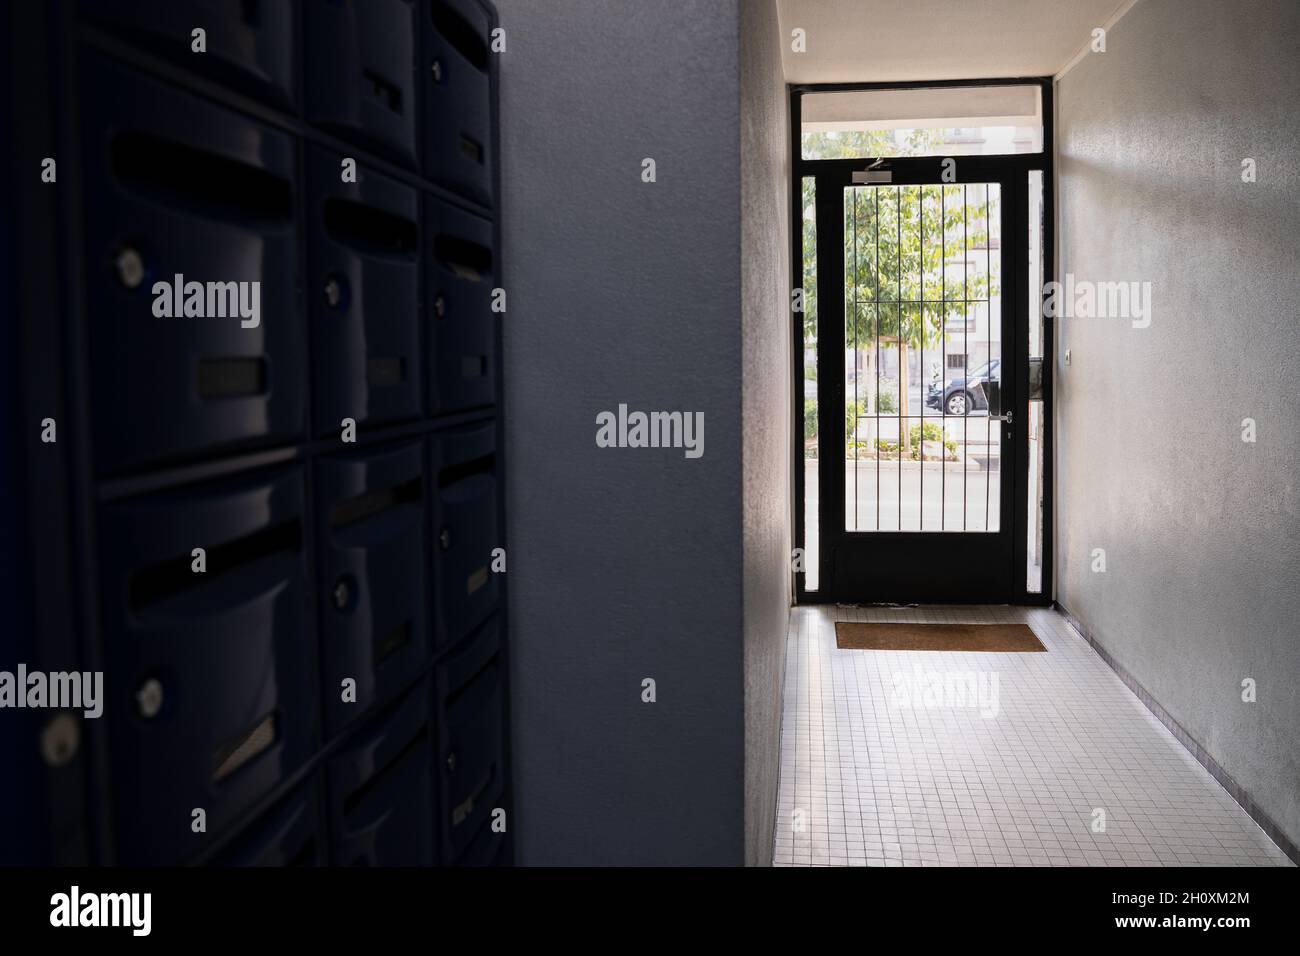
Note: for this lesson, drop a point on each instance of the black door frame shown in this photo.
(1013, 169)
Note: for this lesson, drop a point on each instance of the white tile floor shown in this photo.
(888, 758)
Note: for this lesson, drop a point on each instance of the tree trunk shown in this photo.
(869, 373)
(904, 432)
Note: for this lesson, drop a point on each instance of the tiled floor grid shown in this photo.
(924, 758)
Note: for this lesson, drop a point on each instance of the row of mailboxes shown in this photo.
(289, 834)
(198, 332)
(366, 256)
(231, 292)
(217, 690)
(248, 44)
(395, 76)
(379, 790)
(372, 545)
(211, 683)
(469, 758)
(418, 785)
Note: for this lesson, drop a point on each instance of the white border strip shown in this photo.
(1115, 17)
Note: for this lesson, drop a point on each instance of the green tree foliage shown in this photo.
(908, 250)
(809, 221)
(883, 247)
(897, 255)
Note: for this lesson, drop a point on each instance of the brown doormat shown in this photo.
(854, 636)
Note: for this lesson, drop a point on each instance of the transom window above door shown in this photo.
(965, 121)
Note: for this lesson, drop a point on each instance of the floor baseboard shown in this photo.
(1203, 757)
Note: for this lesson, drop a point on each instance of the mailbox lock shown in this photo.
(333, 292)
(444, 538)
(59, 740)
(130, 267)
(343, 592)
(437, 71)
(149, 698)
(451, 761)
(440, 306)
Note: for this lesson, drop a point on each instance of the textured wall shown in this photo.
(765, 321)
(624, 563)
(1202, 540)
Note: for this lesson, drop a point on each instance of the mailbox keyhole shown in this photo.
(345, 593)
(336, 292)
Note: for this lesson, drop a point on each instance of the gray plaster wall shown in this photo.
(624, 563)
(1200, 529)
(766, 362)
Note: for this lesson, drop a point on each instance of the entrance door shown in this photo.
(918, 368)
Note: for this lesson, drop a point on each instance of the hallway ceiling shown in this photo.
(868, 41)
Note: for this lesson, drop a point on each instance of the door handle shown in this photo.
(1001, 418)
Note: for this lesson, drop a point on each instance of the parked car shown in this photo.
(963, 395)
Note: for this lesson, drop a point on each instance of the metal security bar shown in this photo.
(898, 243)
